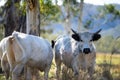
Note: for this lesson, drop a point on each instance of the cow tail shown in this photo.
(19, 48)
(10, 54)
(15, 35)
(53, 43)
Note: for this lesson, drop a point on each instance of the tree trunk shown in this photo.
(11, 17)
(22, 24)
(80, 25)
(33, 23)
(33, 17)
(68, 18)
(66, 15)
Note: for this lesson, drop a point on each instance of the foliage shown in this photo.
(23, 8)
(46, 7)
(107, 43)
(71, 2)
(48, 12)
(1, 32)
(49, 37)
(74, 7)
(111, 9)
(87, 24)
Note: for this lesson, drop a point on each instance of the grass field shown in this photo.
(110, 63)
(107, 68)
(105, 58)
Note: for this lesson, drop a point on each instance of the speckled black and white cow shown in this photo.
(76, 51)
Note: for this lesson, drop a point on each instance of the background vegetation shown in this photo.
(108, 54)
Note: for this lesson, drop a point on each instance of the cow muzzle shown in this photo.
(86, 50)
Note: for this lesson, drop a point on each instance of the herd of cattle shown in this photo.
(27, 54)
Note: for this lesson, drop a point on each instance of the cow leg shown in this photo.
(16, 74)
(58, 65)
(76, 72)
(36, 75)
(75, 68)
(65, 74)
(58, 71)
(90, 72)
(5, 66)
(46, 72)
(7, 71)
(27, 73)
(31, 74)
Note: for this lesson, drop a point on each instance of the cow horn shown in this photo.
(98, 31)
(74, 31)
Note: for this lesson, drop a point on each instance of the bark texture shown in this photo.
(33, 17)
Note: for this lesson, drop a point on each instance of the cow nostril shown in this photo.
(86, 50)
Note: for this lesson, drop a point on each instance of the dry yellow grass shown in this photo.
(106, 58)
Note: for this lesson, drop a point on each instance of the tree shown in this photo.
(80, 14)
(11, 16)
(111, 9)
(33, 26)
(65, 14)
(68, 11)
(67, 18)
(33, 17)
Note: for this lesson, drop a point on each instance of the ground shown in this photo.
(107, 68)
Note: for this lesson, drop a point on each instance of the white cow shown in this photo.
(4, 62)
(29, 50)
(6, 67)
(28, 73)
(76, 52)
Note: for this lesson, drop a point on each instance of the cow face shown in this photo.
(85, 40)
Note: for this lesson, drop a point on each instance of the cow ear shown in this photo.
(76, 37)
(96, 37)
